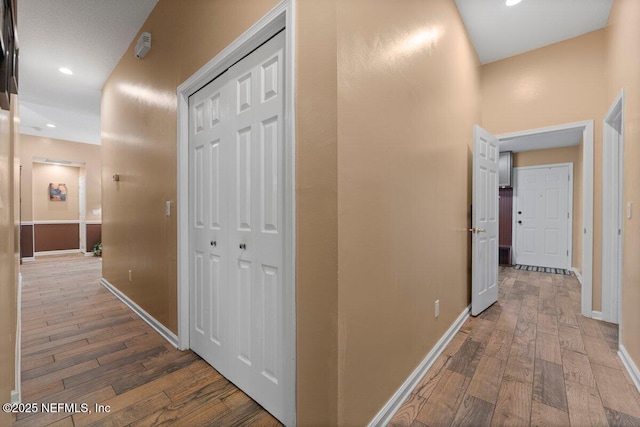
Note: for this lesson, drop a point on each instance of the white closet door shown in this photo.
(256, 215)
(208, 223)
(236, 167)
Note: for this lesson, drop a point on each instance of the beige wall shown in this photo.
(623, 71)
(45, 209)
(562, 155)
(34, 146)
(557, 84)
(9, 253)
(408, 97)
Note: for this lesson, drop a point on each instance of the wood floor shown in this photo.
(530, 359)
(82, 345)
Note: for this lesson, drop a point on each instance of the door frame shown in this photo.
(281, 17)
(612, 182)
(570, 197)
(587, 128)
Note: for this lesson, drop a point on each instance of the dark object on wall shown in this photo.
(8, 52)
(505, 224)
(505, 169)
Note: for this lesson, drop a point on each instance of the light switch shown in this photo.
(629, 210)
(167, 208)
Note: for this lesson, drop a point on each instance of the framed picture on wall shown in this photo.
(57, 192)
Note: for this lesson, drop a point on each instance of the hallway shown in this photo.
(530, 359)
(80, 344)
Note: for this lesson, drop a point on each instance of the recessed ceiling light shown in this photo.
(50, 125)
(512, 2)
(65, 70)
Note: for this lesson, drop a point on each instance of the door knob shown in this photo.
(243, 246)
(475, 230)
(214, 243)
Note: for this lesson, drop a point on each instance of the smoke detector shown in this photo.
(143, 45)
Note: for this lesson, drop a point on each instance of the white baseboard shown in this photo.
(628, 363)
(28, 259)
(159, 327)
(391, 407)
(15, 396)
(65, 252)
(597, 315)
(578, 275)
(88, 253)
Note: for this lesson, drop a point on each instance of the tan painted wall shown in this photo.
(34, 146)
(562, 155)
(408, 97)
(139, 143)
(557, 84)
(9, 254)
(623, 70)
(45, 209)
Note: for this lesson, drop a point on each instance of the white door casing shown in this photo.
(484, 221)
(612, 210)
(543, 215)
(237, 224)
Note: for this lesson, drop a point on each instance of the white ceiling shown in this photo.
(498, 31)
(87, 36)
(541, 141)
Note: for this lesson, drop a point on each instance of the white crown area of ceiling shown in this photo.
(498, 31)
(87, 36)
(541, 141)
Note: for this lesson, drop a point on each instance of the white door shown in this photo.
(236, 225)
(82, 204)
(484, 221)
(542, 217)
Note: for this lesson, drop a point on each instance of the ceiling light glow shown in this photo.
(512, 2)
(50, 125)
(66, 71)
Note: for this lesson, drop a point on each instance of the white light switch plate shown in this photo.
(629, 210)
(167, 208)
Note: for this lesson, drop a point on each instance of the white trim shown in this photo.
(280, 17)
(578, 275)
(16, 395)
(587, 201)
(631, 367)
(98, 222)
(612, 212)
(26, 223)
(387, 412)
(28, 259)
(88, 253)
(570, 206)
(596, 315)
(64, 252)
(57, 221)
(159, 327)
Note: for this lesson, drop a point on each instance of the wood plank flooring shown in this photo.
(529, 360)
(82, 345)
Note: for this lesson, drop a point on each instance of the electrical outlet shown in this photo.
(130, 279)
(437, 307)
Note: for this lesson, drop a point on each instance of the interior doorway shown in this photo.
(535, 139)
